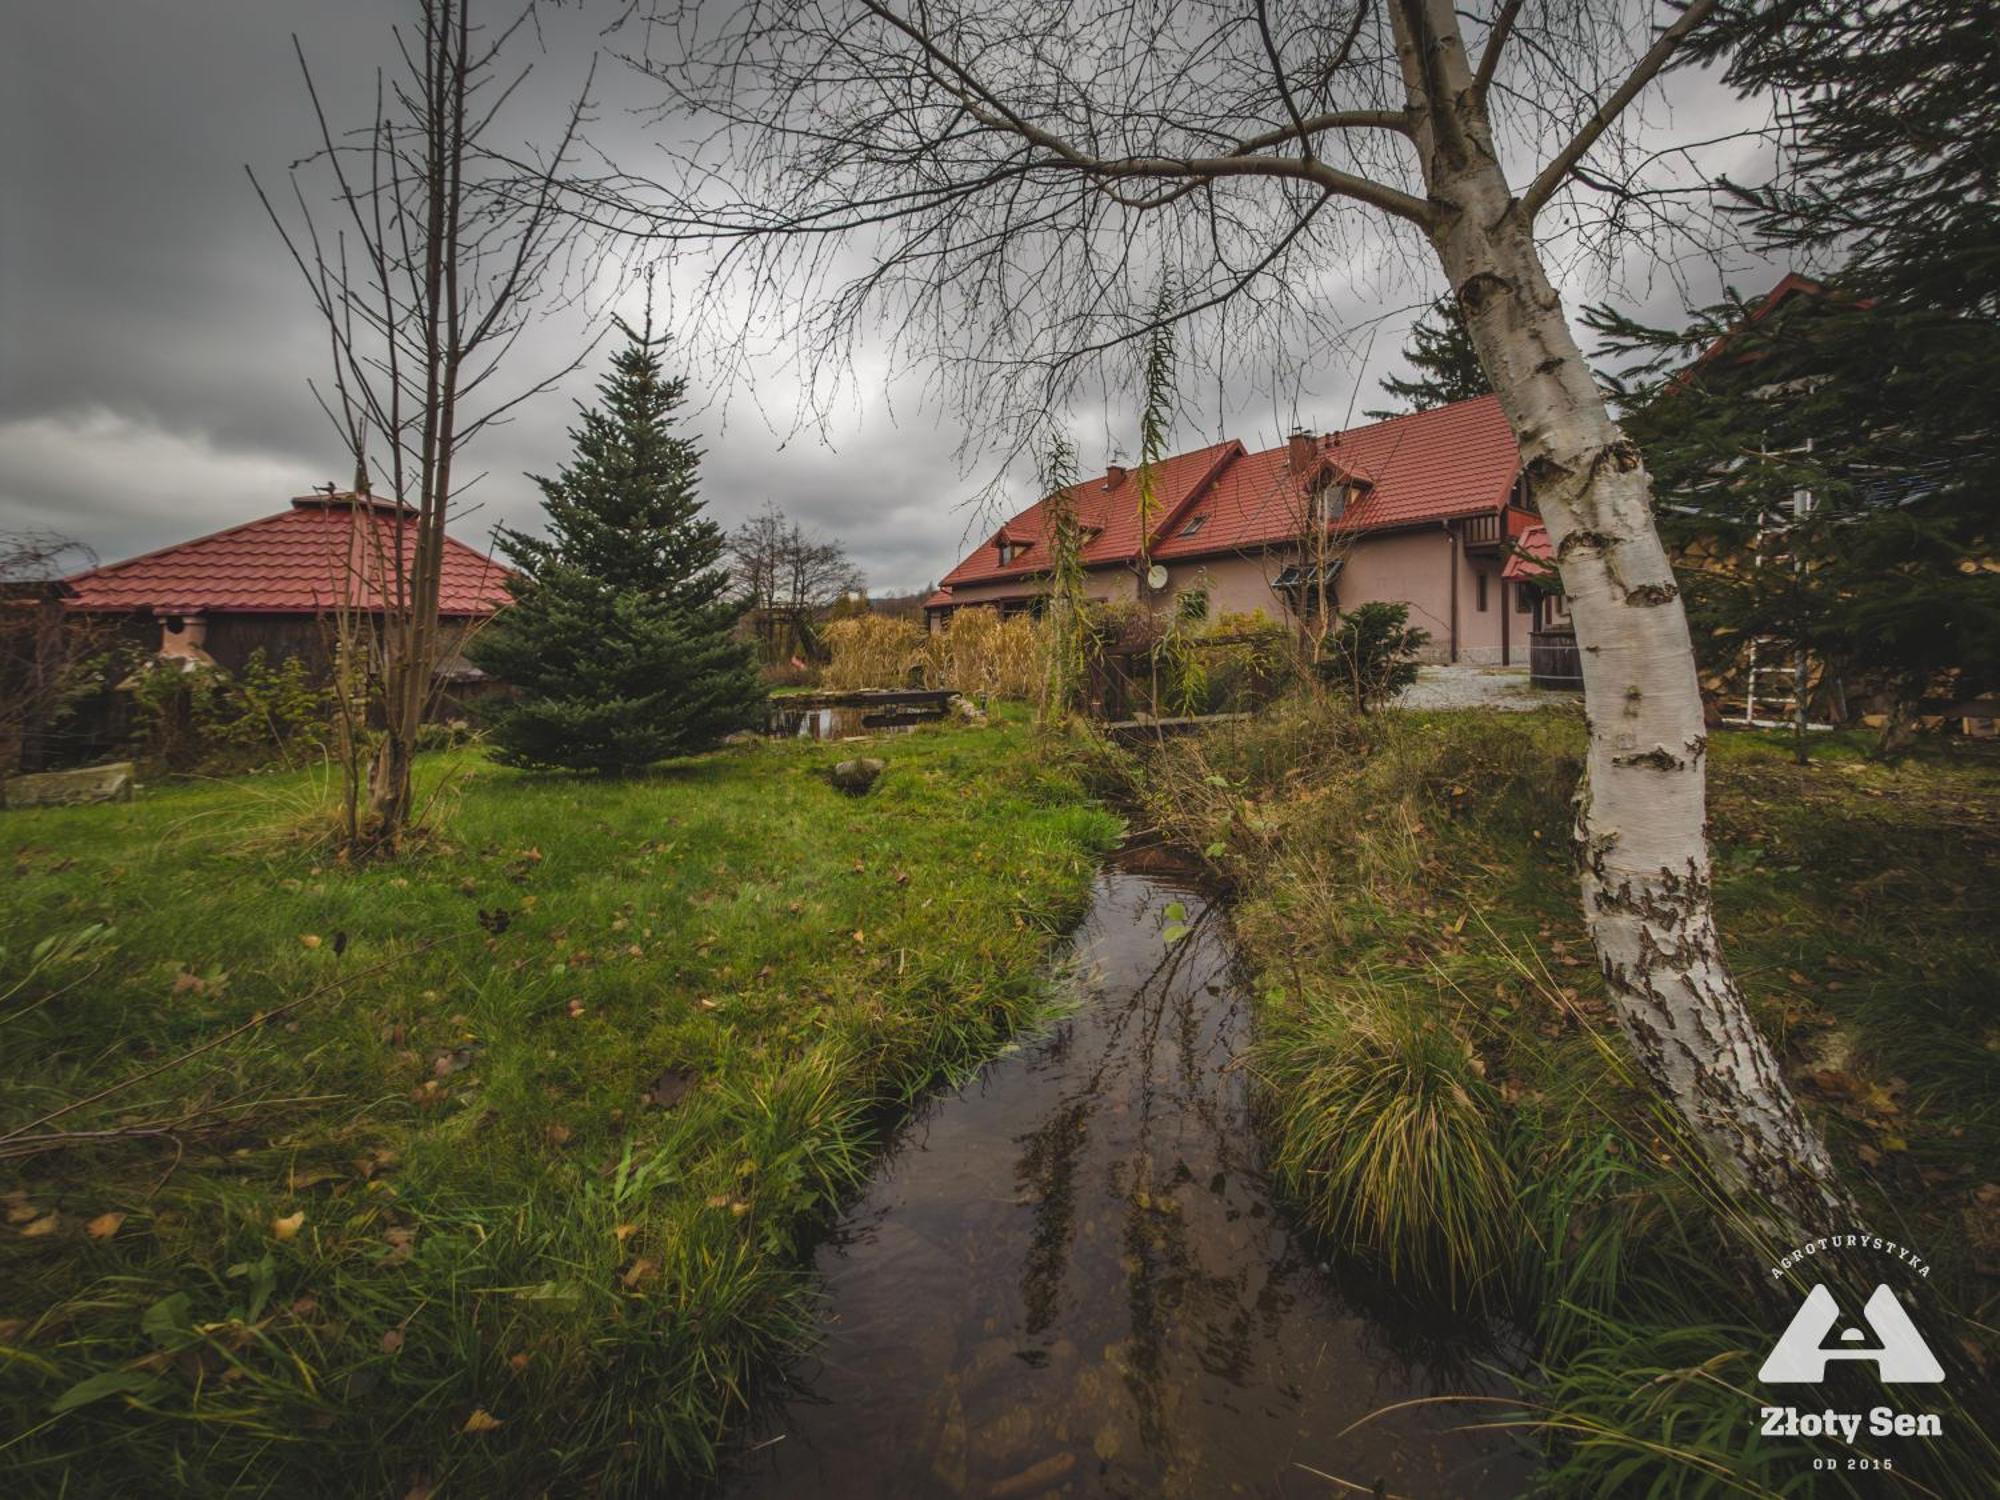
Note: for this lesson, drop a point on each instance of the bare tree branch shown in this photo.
(1552, 176)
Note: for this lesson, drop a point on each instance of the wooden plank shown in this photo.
(1128, 731)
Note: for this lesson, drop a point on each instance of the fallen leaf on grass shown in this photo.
(20, 1213)
(624, 1232)
(289, 1226)
(639, 1270)
(1832, 1081)
(104, 1225)
(392, 1341)
(309, 939)
(480, 1421)
(46, 1225)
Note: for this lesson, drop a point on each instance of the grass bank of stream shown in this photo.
(513, 1199)
(1444, 1093)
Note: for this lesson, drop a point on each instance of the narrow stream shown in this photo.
(1069, 1278)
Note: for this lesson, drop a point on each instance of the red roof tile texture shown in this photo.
(1108, 511)
(1452, 461)
(325, 552)
(1531, 556)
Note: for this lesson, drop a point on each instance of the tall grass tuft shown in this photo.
(977, 652)
(872, 651)
(1446, 1091)
(1384, 1133)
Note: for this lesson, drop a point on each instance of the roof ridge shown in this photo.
(272, 562)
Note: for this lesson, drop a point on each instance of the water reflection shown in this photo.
(841, 723)
(1070, 1280)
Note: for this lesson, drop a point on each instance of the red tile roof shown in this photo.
(1108, 511)
(327, 550)
(1531, 556)
(1452, 461)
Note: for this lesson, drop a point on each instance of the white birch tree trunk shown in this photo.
(1642, 817)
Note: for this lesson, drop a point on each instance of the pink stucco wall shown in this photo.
(1411, 567)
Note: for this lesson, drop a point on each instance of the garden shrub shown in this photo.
(205, 718)
(1371, 655)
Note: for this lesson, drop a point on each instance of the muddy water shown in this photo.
(1070, 1279)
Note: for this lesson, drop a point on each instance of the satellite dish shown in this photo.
(1156, 577)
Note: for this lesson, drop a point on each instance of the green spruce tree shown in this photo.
(1446, 364)
(620, 643)
(1847, 431)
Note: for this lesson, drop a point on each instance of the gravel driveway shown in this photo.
(1463, 686)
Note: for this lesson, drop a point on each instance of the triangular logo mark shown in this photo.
(1899, 1351)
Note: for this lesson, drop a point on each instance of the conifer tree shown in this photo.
(619, 645)
(1447, 365)
(1870, 397)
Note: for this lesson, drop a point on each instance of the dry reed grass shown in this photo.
(978, 653)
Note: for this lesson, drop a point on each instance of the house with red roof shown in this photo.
(275, 583)
(1421, 509)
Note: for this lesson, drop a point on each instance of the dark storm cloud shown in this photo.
(155, 341)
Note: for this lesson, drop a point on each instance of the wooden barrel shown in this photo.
(1553, 661)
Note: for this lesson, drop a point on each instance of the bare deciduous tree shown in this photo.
(1000, 184)
(787, 575)
(426, 247)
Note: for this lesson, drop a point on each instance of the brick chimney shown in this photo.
(1303, 449)
(1114, 476)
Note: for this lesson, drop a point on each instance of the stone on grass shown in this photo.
(855, 777)
(112, 783)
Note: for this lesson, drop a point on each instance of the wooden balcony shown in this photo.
(1481, 533)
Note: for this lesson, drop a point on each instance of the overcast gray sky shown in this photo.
(155, 343)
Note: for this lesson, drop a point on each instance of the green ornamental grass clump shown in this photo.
(1385, 1135)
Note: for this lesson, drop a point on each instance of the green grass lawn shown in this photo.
(513, 1197)
(1446, 1095)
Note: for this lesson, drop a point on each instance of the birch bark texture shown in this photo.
(1641, 827)
(1000, 164)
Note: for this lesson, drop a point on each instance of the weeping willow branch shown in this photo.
(1158, 395)
(1066, 631)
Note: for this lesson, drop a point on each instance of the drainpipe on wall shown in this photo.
(1452, 532)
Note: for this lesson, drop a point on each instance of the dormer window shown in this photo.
(1194, 525)
(1009, 550)
(1329, 501)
